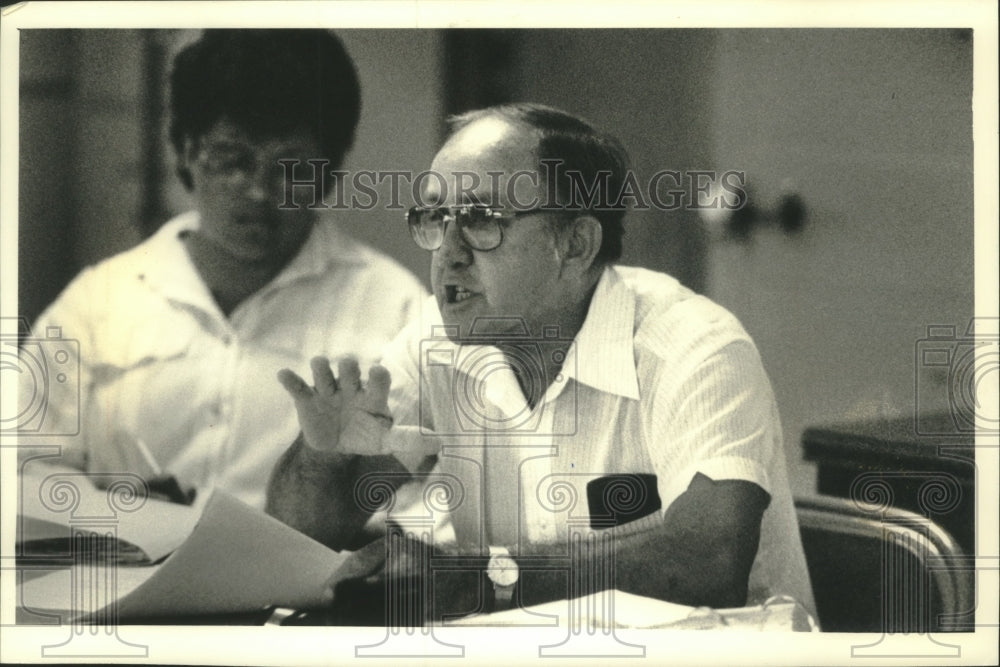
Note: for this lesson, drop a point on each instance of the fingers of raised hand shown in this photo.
(377, 391)
(323, 380)
(349, 374)
(293, 384)
(369, 420)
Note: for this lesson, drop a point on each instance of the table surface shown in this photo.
(778, 614)
(892, 444)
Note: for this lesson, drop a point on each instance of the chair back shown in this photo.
(882, 569)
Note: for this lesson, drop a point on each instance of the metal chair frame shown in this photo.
(941, 561)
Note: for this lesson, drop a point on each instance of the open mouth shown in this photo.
(457, 294)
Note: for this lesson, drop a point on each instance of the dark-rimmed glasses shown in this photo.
(235, 166)
(481, 227)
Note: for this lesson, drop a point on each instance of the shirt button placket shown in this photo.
(224, 406)
(537, 519)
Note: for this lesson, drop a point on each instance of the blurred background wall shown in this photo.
(872, 129)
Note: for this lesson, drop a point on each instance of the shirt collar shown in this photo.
(164, 264)
(327, 245)
(603, 352)
(172, 270)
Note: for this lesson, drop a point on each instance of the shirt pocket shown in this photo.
(130, 345)
(142, 384)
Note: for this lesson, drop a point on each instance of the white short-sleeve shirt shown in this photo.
(659, 380)
(159, 362)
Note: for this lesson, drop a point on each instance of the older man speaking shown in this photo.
(564, 392)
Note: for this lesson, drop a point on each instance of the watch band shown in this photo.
(503, 571)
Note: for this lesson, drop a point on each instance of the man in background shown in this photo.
(180, 337)
(577, 407)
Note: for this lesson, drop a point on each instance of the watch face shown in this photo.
(502, 570)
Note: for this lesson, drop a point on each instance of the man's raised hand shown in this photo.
(339, 414)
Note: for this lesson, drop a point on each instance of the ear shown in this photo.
(188, 153)
(186, 157)
(580, 244)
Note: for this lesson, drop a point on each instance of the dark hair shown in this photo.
(579, 147)
(268, 82)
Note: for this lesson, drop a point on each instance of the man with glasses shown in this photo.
(180, 337)
(587, 415)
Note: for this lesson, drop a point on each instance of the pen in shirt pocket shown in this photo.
(163, 484)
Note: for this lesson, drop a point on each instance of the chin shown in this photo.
(459, 325)
(253, 254)
(260, 248)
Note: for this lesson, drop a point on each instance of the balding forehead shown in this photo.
(494, 134)
(491, 129)
(491, 161)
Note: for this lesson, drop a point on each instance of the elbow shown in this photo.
(727, 591)
(718, 579)
(718, 582)
(725, 576)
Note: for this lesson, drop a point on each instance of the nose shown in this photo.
(453, 251)
(259, 183)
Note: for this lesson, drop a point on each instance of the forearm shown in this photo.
(649, 564)
(314, 492)
(699, 554)
(684, 573)
(643, 564)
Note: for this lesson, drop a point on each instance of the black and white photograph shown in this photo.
(499, 332)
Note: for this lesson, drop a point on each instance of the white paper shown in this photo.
(604, 609)
(157, 527)
(237, 559)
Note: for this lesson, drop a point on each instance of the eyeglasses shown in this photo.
(481, 227)
(234, 166)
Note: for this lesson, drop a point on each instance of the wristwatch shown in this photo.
(503, 572)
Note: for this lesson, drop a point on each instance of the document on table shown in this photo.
(606, 608)
(620, 610)
(153, 529)
(237, 559)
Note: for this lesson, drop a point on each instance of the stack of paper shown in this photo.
(237, 559)
(619, 610)
(155, 528)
